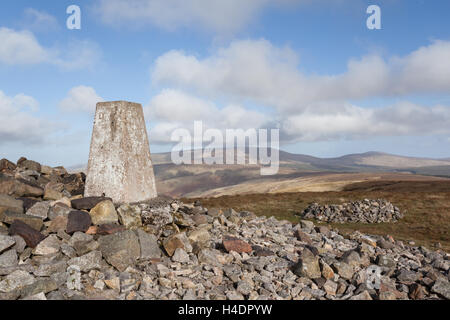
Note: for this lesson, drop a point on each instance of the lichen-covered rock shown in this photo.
(16, 280)
(130, 216)
(308, 265)
(149, 245)
(121, 250)
(104, 212)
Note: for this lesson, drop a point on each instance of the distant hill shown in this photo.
(298, 172)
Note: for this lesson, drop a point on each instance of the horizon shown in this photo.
(79, 165)
(314, 70)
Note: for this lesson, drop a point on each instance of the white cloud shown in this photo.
(37, 20)
(79, 54)
(172, 109)
(257, 70)
(22, 48)
(216, 15)
(18, 123)
(323, 121)
(346, 121)
(308, 107)
(219, 16)
(80, 99)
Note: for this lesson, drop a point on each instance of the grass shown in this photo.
(426, 206)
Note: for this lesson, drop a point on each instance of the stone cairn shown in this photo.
(57, 245)
(366, 211)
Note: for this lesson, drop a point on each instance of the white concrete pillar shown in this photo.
(120, 165)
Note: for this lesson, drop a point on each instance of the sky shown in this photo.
(312, 69)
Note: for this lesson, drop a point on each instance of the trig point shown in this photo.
(120, 166)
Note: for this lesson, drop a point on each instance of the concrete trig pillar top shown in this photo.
(120, 165)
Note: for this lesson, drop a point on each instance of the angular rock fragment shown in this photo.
(130, 216)
(49, 245)
(6, 242)
(235, 244)
(27, 203)
(39, 209)
(87, 203)
(19, 187)
(34, 222)
(105, 229)
(16, 281)
(149, 245)
(308, 265)
(11, 204)
(89, 261)
(104, 212)
(78, 221)
(7, 166)
(177, 241)
(30, 165)
(121, 250)
(442, 287)
(8, 259)
(31, 236)
(59, 209)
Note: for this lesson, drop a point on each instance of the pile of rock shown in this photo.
(89, 248)
(28, 178)
(366, 211)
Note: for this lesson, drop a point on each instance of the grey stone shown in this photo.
(16, 280)
(6, 242)
(149, 245)
(408, 276)
(39, 209)
(362, 296)
(48, 269)
(244, 288)
(20, 244)
(180, 256)
(343, 269)
(39, 296)
(59, 209)
(85, 247)
(209, 256)
(89, 261)
(8, 259)
(121, 250)
(308, 265)
(442, 287)
(49, 245)
(39, 286)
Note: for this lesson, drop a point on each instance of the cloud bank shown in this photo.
(81, 99)
(19, 123)
(22, 48)
(307, 107)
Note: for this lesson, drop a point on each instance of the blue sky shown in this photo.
(311, 68)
